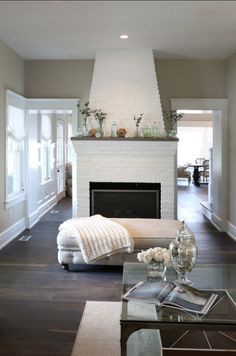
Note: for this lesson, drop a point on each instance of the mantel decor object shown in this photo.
(100, 116)
(183, 252)
(138, 119)
(171, 119)
(121, 132)
(86, 113)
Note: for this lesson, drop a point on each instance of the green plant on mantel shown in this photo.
(100, 116)
(137, 120)
(171, 117)
(86, 111)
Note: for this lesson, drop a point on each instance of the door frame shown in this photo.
(33, 210)
(63, 193)
(219, 107)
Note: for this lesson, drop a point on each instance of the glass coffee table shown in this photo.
(179, 329)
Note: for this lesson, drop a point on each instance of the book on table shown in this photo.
(169, 294)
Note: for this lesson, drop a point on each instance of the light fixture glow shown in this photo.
(124, 37)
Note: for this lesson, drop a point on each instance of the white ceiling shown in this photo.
(76, 29)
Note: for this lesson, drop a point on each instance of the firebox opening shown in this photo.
(125, 200)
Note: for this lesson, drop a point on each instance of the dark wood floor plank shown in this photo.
(41, 304)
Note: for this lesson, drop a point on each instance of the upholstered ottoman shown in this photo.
(146, 233)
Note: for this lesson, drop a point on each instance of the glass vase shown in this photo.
(100, 129)
(84, 130)
(183, 252)
(172, 133)
(156, 270)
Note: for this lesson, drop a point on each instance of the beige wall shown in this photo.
(11, 77)
(179, 78)
(231, 93)
(58, 79)
(72, 79)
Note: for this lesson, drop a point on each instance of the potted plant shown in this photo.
(100, 116)
(138, 119)
(86, 113)
(171, 118)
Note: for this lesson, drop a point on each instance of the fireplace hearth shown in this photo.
(125, 200)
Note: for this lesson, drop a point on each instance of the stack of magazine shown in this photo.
(176, 296)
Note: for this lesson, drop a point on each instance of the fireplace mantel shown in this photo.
(147, 160)
(140, 139)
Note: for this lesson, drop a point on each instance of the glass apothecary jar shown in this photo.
(183, 252)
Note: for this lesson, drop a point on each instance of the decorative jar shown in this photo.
(183, 253)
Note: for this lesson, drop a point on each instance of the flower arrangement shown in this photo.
(154, 255)
(85, 111)
(138, 120)
(172, 117)
(100, 116)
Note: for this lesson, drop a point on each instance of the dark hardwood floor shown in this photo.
(41, 305)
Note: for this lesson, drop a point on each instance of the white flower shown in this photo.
(140, 256)
(156, 254)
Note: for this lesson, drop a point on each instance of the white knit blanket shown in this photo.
(98, 236)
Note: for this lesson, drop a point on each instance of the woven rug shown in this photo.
(99, 334)
(99, 330)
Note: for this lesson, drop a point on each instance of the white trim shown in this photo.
(45, 207)
(12, 232)
(46, 181)
(231, 230)
(219, 152)
(14, 201)
(206, 212)
(216, 221)
(32, 219)
(56, 104)
(12, 97)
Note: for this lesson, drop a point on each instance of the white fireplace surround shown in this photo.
(124, 84)
(128, 160)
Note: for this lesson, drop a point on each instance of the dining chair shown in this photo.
(205, 172)
(199, 160)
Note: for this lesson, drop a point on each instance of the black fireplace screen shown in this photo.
(125, 200)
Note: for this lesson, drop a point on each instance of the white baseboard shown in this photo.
(12, 232)
(42, 209)
(206, 212)
(216, 221)
(231, 230)
(32, 219)
(49, 204)
(25, 223)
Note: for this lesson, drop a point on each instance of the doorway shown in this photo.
(50, 122)
(218, 184)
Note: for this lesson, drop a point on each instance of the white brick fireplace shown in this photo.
(124, 160)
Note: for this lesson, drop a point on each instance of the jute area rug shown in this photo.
(99, 334)
(99, 330)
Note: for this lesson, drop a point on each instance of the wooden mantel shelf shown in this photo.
(79, 138)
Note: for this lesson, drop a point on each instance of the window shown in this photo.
(15, 148)
(187, 151)
(46, 159)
